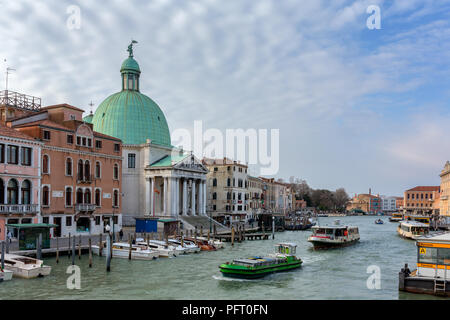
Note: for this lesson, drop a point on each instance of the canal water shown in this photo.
(331, 274)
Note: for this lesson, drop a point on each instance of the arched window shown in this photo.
(87, 170)
(87, 196)
(46, 164)
(79, 196)
(13, 192)
(116, 198)
(214, 196)
(26, 192)
(97, 170)
(2, 192)
(97, 197)
(45, 196)
(228, 182)
(68, 167)
(68, 196)
(228, 195)
(214, 182)
(116, 171)
(80, 170)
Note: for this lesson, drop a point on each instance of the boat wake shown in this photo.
(231, 279)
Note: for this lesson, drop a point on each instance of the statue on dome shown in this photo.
(130, 48)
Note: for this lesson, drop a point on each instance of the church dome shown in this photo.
(130, 115)
(88, 118)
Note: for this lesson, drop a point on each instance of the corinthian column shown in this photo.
(193, 198)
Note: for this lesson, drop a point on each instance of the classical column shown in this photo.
(185, 197)
(200, 198)
(176, 196)
(204, 197)
(165, 196)
(147, 196)
(193, 198)
(152, 195)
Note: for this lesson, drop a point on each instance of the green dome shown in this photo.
(132, 117)
(88, 118)
(130, 65)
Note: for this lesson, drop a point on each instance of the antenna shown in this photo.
(8, 69)
(91, 105)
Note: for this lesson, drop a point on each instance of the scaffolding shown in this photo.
(19, 100)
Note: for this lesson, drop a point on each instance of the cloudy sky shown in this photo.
(356, 108)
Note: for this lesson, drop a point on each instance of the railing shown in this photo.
(85, 207)
(85, 179)
(19, 208)
(19, 100)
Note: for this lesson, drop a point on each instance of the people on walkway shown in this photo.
(10, 236)
(120, 234)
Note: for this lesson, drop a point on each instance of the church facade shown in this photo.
(157, 179)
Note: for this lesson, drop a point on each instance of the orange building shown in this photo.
(81, 171)
(421, 200)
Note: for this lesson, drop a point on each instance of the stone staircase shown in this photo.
(190, 222)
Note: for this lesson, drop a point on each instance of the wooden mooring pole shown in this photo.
(73, 251)
(130, 242)
(108, 252)
(100, 247)
(68, 248)
(57, 250)
(90, 252)
(232, 236)
(79, 248)
(3, 254)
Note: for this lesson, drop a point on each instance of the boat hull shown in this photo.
(422, 285)
(319, 244)
(135, 255)
(6, 275)
(255, 273)
(30, 273)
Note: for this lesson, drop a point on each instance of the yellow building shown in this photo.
(444, 209)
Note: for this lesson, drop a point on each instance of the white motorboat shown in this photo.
(163, 250)
(26, 267)
(122, 250)
(178, 248)
(324, 237)
(216, 243)
(6, 275)
(189, 246)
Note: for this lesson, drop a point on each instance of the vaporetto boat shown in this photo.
(256, 267)
(26, 267)
(324, 237)
(396, 217)
(412, 229)
(122, 250)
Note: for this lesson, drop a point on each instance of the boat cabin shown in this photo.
(334, 231)
(397, 215)
(414, 228)
(286, 248)
(417, 218)
(433, 255)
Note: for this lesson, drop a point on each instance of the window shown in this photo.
(228, 182)
(45, 164)
(116, 198)
(80, 170)
(116, 147)
(97, 220)
(427, 255)
(2, 153)
(216, 169)
(26, 156)
(131, 160)
(228, 195)
(87, 171)
(69, 139)
(214, 182)
(116, 171)
(98, 144)
(79, 196)
(79, 141)
(115, 219)
(45, 220)
(89, 142)
(97, 170)
(46, 135)
(12, 154)
(69, 196)
(26, 192)
(84, 141)
(68, 221)
(45, 196)
(214, 196)
(87, 196)
(68, 167)
(13, 192)
(214, 207)
(97, 197)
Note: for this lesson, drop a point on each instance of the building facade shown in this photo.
(421, 200)
(388, 204)
(81, 181)
(366, 202)
(256, 199)
(20, 179)
(444, 209)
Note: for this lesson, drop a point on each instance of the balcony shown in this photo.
(86, 207)
(19, 208)
(85, 179)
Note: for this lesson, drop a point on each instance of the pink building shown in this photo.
(20, 178)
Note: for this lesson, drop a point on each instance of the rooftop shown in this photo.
(425, 188)
(9, 132)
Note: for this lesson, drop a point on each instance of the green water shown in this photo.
(331, 274)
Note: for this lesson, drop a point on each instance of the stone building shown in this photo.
(444, 208)
(422, 200)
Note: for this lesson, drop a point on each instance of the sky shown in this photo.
(357, 108)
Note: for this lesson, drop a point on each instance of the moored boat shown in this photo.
(122, 250)
(164, 251)
(6, 275)
(396, 217)
(412, 229)
(26, 267)
(214, 242)
(432, 275)
(256, 267)
(325, 237)
(189, 246)
(204, 245)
